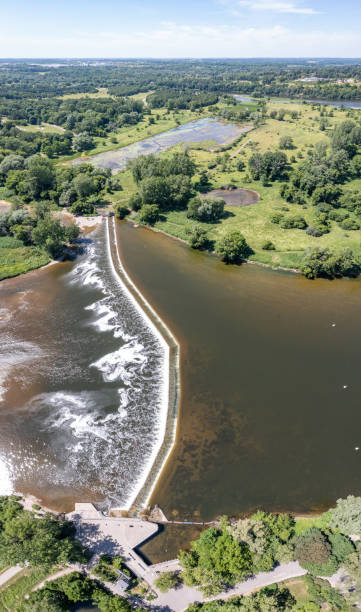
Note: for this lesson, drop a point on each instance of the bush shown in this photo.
(350, 224)
(268, 246)
(208, 210)
(314, 231)
(121, 210)
(198, 238)
(347, 515)
(338, 215)
(286, 142)
(233, 247)
(135, 201)
(328, 568)
(8, 242)
(166, 581)
(82, 207)
(276, 217)
(312, 547)
(323, 262)
(296, 222)
(149, 214)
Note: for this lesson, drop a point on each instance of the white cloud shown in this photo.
(186, 40)
(278, 7)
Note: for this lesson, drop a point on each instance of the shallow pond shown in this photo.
(206, 129)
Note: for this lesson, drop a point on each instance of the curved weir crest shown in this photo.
(145, 485)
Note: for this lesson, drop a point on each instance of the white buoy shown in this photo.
(357, 448)
(345, 386)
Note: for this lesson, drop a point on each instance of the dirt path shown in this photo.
(240, 148)
(10, 573)
(59, 574)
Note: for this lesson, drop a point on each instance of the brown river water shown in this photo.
(265, 420)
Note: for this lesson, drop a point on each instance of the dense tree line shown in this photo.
(180, 99)
(36, 179)
(227, 554)
(25, 538)
(95, 116)
(258, 78)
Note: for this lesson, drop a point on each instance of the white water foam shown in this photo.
(122, 364)
(6, 486)
(164, 390)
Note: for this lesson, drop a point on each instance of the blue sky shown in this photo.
(180, 28)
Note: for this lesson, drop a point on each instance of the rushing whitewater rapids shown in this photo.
(84, 392)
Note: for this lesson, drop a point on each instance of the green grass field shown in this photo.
(13, 592)
(253, 221)
(44, 128)
(14, 261)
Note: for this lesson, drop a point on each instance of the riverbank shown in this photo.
(17, 259)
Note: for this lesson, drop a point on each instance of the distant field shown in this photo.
(101, 93)
(253, 221)
(45, 128)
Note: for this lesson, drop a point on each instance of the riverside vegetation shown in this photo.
(221, 557)
(302, 159)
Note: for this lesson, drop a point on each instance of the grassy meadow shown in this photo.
(254, 221)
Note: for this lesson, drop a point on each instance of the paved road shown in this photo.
(10, 573)
(179, 599)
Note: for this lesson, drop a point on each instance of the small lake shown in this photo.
(201, 130)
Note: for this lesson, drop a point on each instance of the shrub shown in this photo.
(8, 242)
(208, 210)
(276, 217)
(312, 547)
(296, 222)
(341, 545)
(82, 207)
(347, 515)
(286, 142)
(166, 581)
(135, 201)
(323, 262)
(121, 210)
(198, 238)
(314, 231)
(350, 224)
(233, 247)
(338, 215)
(268, 246)
(149, 214)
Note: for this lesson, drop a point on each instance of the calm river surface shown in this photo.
(265, 420)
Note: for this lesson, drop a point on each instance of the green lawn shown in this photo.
(14, 261)
(12, 593)
(253, 221)
(44, 128)
(319, 520)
